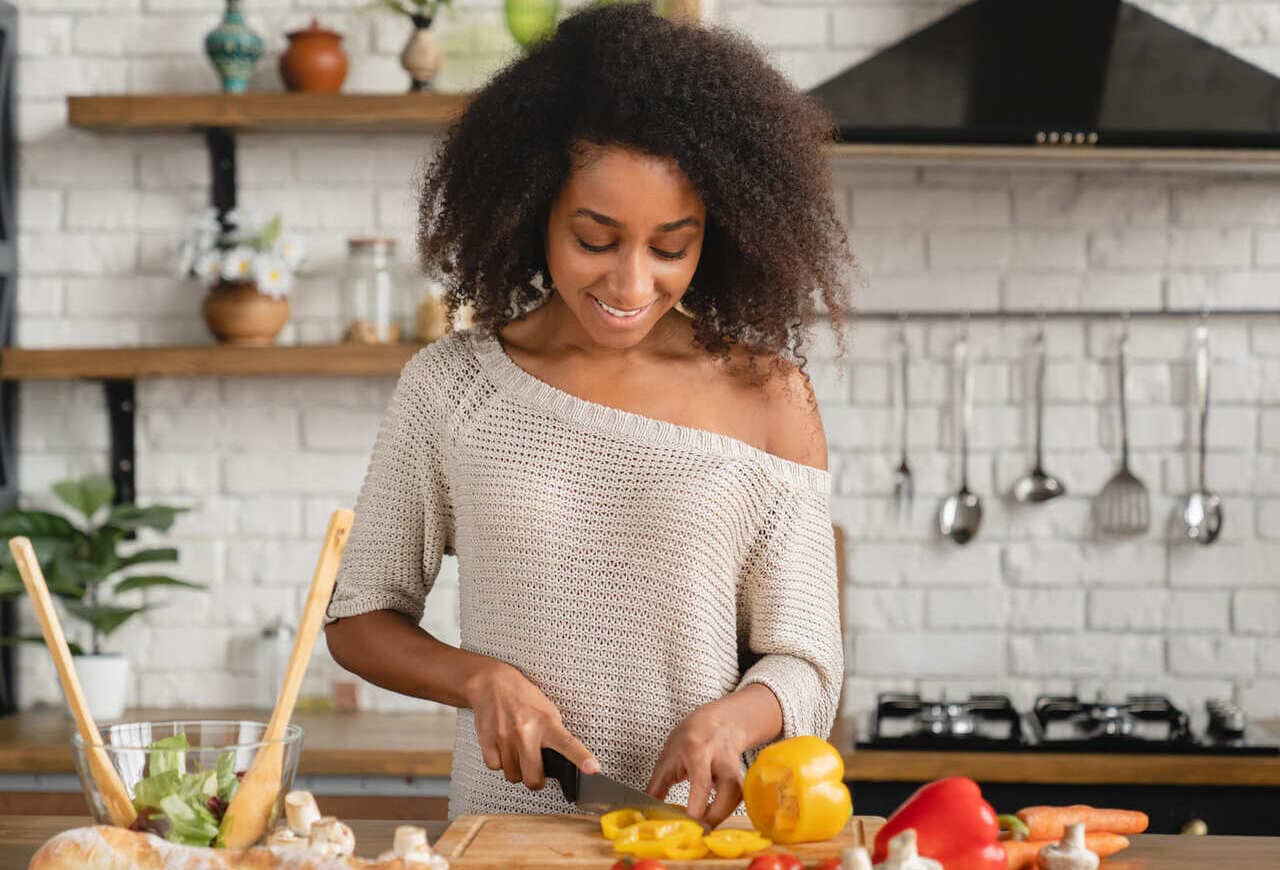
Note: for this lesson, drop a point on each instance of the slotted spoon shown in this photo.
(1123, 507)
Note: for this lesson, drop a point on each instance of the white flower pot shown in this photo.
(105, 681)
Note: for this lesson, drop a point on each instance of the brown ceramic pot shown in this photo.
(314, 60)
(237, 313)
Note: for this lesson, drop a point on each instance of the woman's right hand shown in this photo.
(514, 721)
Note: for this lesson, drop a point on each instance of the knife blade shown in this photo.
(599, 794)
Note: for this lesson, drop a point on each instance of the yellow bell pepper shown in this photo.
(686, 846)
(652, 839)
(730, 843)
(612, 823)
(795, 791)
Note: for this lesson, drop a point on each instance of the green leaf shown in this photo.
(104, 618)
(10, 583)
(147, 581)
(270, 233)
(168, 753)
(50, 534)
(190, 823)
(38, 640)
(87, 495)
(155, 554)
(227, 781)
(129, 517)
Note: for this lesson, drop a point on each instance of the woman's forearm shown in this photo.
(755, 715)
(390, 650)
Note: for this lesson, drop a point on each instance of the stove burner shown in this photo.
(1106, 720)
(1141, 720)
(983, 721)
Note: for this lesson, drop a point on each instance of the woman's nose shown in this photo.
(632, 279)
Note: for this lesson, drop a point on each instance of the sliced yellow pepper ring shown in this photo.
(731, 843)
(650, 839)
(612, 823)
(685, 846)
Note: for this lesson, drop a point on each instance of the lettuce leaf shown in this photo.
(228, 782)
(169, 753)
(191, 824)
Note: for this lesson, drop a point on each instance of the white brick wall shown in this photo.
(1037, 603)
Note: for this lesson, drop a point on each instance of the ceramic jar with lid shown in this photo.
(314, 60)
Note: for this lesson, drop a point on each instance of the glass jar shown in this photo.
(372, 301)
(275, 643)
(428, 317)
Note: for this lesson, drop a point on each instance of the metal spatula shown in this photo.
(1123, 507)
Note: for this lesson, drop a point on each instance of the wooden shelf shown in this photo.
(266, 111)
(1066, 157)
(127, 363)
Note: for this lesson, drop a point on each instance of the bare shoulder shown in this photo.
(795, 424)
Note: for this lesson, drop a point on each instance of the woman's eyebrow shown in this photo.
(612, 222)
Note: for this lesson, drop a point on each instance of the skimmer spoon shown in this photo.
(1124, 505)
(1037, 485)
(1202, 513)
(904, 490)
(960, 514)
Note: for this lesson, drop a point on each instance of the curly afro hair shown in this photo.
(747, 140)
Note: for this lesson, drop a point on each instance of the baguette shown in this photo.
(103, 847)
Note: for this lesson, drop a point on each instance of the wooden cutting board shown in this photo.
(551, 842)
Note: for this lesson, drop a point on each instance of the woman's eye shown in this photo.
(600, 249)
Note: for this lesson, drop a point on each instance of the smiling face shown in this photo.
(623, 240)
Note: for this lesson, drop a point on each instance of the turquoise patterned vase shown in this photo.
(234, 49)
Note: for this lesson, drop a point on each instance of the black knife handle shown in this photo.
(559, 768)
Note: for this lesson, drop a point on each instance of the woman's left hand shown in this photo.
(706, 749)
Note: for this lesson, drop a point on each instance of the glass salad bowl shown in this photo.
(182, 774)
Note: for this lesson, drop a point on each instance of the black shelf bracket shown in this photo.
(221, 143)
(121, 411)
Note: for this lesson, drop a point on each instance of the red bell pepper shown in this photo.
(954, 825)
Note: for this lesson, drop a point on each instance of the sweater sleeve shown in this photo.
(789, 613)
(404, 522)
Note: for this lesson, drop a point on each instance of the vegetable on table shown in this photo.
(658, 838)
(1023, 854)
(731, 843)
(612, 823)
(1050, 823)
(1070, 854)
(795, 792)
(953, 825)
(903, 854)
(183, 807)
(776, 861)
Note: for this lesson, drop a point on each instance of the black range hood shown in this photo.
(1055, 72)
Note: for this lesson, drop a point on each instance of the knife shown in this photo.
(597, 793)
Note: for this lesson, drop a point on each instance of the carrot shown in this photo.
(1022, 854)
(1050, 823)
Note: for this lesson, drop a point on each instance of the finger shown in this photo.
(699, 791)
(661, 780)
(728, 796)
(492, 756)
(571, 748)
(531, 760)
(510, 762)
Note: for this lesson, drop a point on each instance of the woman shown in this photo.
(624, 452)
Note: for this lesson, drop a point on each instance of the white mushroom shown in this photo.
(301, 811)
(1070, 854)
(855, 859)
(285, 838)
(331, 838)
(903, 854)
(408, 839)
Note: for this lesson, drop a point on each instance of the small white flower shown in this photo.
(291, 250)
(237, 264)
(272, 275)
(208, 267)
(205, 221)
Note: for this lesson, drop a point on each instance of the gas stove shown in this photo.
(1062, 723)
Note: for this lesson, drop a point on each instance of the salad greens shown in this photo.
(181, 806)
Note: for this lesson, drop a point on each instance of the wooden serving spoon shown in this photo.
(114, 795)
(249, 812)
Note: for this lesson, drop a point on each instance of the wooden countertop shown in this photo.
(20, 836)
(414, 744)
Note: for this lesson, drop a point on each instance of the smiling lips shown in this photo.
(621, 313)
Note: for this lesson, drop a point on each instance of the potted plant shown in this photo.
(247, 265)
(422, 56)
(87, 570)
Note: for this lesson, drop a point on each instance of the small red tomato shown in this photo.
(830, 863)
(648, 864)
(621, 864)
(783, 861)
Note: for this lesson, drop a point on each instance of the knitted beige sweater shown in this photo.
(633, 569)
